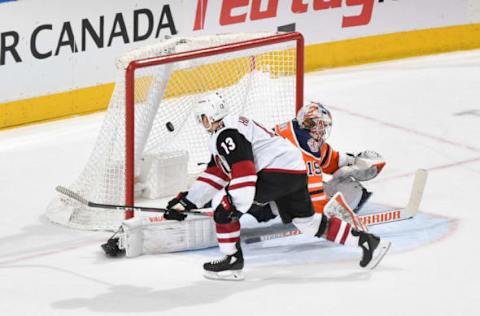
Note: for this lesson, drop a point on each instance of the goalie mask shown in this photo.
(315, 118)
(212, 107)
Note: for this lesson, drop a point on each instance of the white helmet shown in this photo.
(212, 106)
(315, 118)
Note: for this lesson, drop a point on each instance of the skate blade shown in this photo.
(231, 275)
(378, 255)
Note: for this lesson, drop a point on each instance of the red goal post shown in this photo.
(134, 65)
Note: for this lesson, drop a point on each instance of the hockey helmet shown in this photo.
(317, 119)
(212, 106)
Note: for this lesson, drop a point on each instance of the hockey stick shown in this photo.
(409, 211)
(393, 215)
(389, 216)
(75, 196)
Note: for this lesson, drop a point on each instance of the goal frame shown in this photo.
(176, 57)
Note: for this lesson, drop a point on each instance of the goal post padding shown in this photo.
(150, 114)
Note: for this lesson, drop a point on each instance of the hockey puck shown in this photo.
(170, 127)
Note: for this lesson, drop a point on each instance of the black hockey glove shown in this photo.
(261, 212)
(174, 215)
(226, 212)
(181, 203)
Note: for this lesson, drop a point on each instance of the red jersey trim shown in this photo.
(243, 168)
(216, 171)
(210, 182)
(242, 185)
(284, 170)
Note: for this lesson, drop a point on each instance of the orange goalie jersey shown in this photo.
(318, 159)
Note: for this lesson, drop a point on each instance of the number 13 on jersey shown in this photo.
(228, 145)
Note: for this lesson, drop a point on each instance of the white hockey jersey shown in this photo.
(240, 149)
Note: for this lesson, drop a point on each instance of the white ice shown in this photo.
(419, 113)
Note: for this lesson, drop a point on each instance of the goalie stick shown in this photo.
(75, 196)
(389, 216)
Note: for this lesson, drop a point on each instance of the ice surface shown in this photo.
(419, 113)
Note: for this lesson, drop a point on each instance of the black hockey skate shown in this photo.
(227, 268)
(374, 249)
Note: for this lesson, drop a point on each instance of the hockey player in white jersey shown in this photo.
(251, 166)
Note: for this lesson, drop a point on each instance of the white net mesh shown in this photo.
(259, 83)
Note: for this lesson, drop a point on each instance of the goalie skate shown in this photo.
(227, 268)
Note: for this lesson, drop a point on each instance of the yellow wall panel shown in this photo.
(319, 56)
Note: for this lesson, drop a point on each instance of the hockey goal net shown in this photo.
(150, 115)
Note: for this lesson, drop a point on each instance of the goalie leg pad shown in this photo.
(154, 234)
(351, 189)
(132, 237)
(338, 207)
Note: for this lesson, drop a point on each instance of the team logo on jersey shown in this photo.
(313, 145)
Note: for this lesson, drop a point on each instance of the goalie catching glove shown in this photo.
(362, 167)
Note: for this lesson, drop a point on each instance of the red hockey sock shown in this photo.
(228, 235)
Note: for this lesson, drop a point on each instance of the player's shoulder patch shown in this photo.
(243, 120)
(313, 145)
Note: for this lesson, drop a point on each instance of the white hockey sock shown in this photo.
(308, 225)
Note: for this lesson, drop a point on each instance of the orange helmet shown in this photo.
(315, 118)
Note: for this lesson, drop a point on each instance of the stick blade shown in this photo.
(73, 195)
(417, 191)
